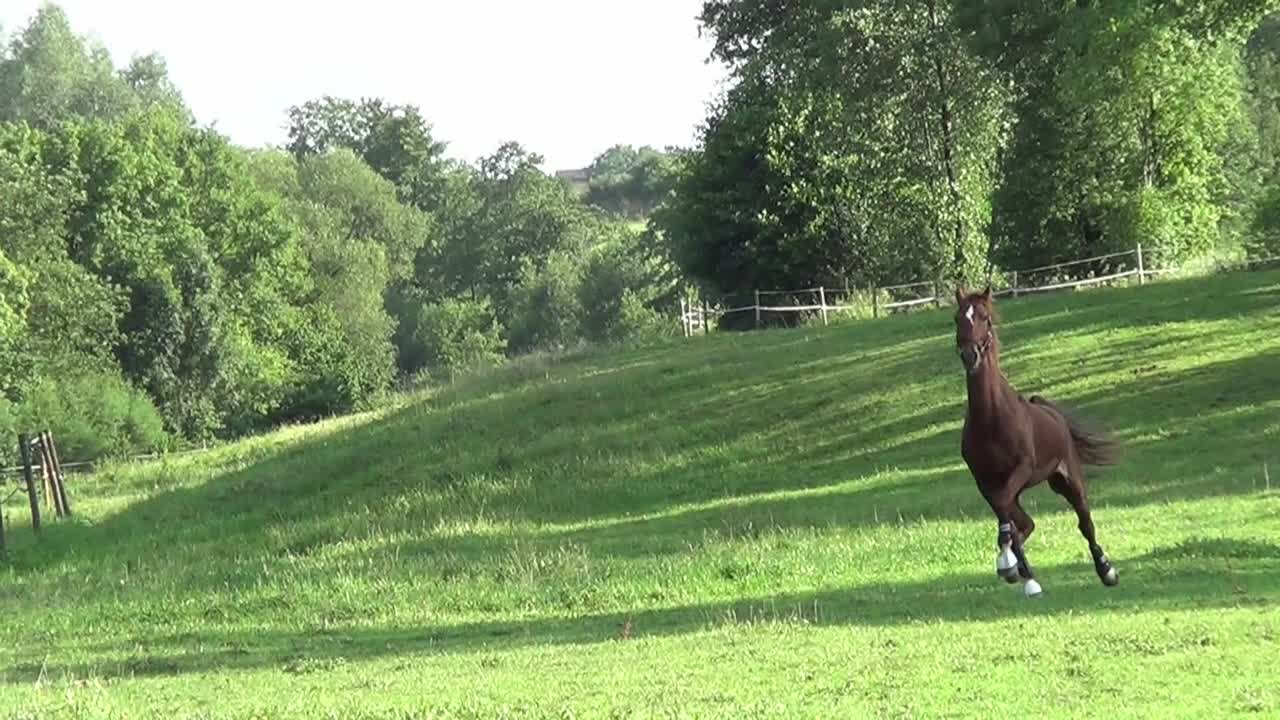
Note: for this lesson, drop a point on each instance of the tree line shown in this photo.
(160, 285)
(878, 142)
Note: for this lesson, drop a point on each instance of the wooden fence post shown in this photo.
(684, 316)
(24, 450)
(1142, 277)
(1015, 283)
(937, 294)
(60, 479)
(757, 309)
(822, 299)
(875, 303)
(56, 495)
(706, 329)
(47, 476)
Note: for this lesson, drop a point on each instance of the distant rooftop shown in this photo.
(579, 175)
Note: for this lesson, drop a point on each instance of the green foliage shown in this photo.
(625, 288)
(874, 142)
(51, 74)
(92, 416)
(351, 225)
(364, 208)
(637, 321)
(1163, 156)
(457, 335)
(630, 182)
(240, 289)
(13, 330)
(1262, 61)
(856, 146)
(1265, 242)
(394, 140)
(546, 314)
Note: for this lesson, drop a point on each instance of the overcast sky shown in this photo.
(567, 78)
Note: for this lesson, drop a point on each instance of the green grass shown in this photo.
(772, 524)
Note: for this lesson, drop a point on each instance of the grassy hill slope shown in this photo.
(772, 524)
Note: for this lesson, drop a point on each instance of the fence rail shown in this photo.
(89, 464)
(884, 299)
(1112, 267)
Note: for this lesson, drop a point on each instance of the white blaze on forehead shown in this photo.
(968, 314)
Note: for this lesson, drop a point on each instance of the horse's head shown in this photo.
(975, 327)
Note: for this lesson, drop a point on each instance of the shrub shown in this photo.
(458, 334)
(92, 416)
(637, 322)
(546, 312)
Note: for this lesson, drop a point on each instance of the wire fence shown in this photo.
(877, 301)
(88, 465)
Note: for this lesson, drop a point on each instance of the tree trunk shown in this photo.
(948, 142)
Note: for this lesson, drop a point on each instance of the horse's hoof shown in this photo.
(1032, 589)
(1110, 578)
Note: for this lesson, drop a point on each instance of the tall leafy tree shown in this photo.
(859, 143)
(395, 140)
(357, 238)
(630, 182)
(1126, 116)
(51, 74)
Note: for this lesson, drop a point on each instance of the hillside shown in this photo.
(772, 524)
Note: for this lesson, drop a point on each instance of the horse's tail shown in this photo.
(1094, 446)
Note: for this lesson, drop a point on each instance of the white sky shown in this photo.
(566, 78)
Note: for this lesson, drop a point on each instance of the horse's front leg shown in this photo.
(1011, 560)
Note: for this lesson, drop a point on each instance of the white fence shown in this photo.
(824, 301)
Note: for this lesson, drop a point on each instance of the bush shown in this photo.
(637, 322)
(621, 288)
(458, 334)
(546, 312)
(93, 416)
(1265, 240)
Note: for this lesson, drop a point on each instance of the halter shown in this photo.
(986, 341)
(985, 344)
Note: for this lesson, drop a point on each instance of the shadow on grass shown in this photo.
(1202, 573)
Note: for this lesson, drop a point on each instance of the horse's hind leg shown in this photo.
(1022, 520)
(1071, 485)
(1026, 526)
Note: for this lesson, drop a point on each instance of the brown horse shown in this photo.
(1011, 443)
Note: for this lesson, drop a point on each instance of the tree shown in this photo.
(357, 238)
(1125, 115)
(394, 140)
(630, 182)
(627, 281)
(502, 221)
(1262, 62)
(52, 74)
(13, 306)
(857, 144)
(69, 316)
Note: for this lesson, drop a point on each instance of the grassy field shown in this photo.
(772, 524)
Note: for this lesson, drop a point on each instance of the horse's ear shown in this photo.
(959, 295)
(986, 294)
